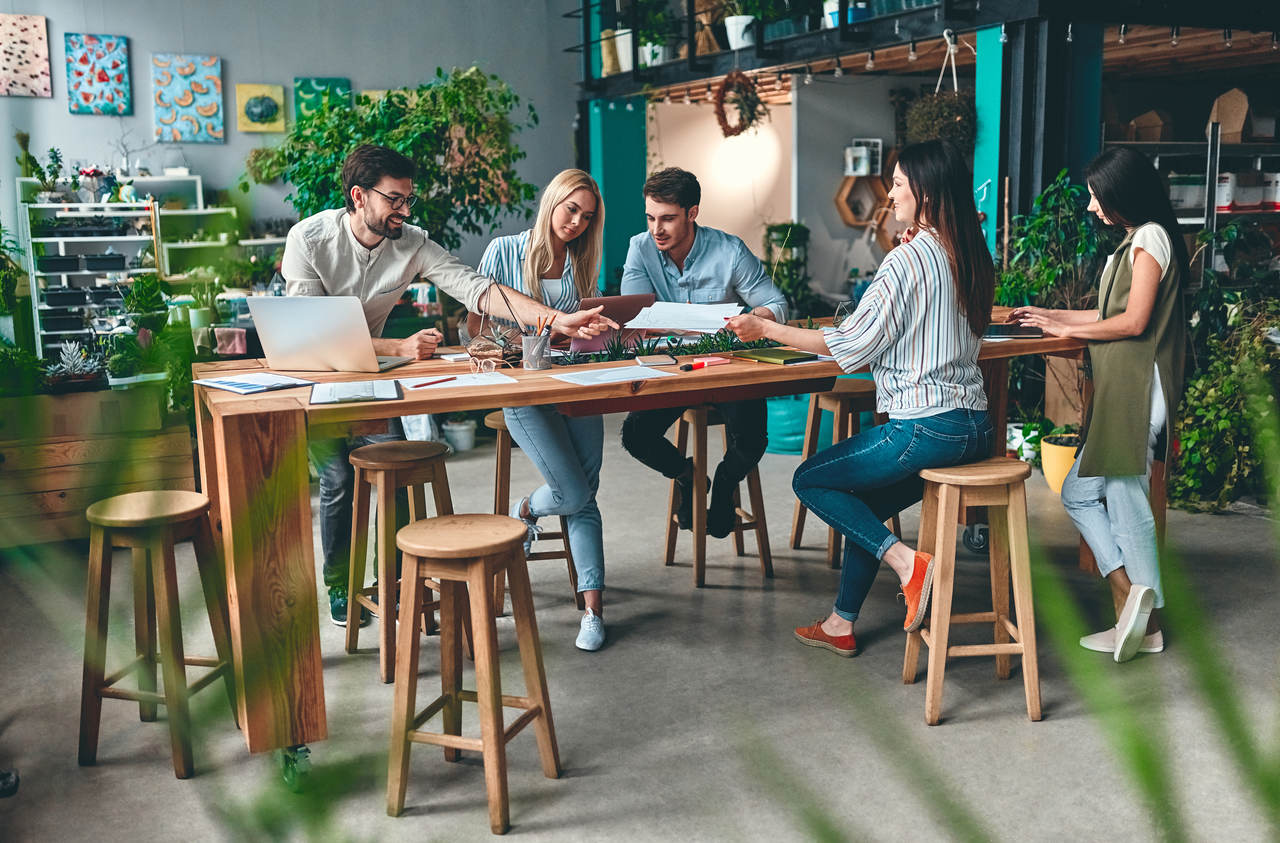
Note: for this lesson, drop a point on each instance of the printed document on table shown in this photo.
(251, 383)
(473, 379)
(674, 316)
(595, 377)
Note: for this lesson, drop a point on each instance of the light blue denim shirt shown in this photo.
(719, 269)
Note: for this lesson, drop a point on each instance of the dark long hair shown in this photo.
(1131, 193)
(942, 183)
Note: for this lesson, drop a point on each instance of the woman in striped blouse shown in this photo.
(919, 327)
(556, 262)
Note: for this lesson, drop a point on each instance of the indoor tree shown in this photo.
(458, 129)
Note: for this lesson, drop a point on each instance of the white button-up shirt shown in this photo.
(322, 257)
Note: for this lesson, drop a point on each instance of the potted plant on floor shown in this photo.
(144, 304)
(1057, 453)
(460, 432)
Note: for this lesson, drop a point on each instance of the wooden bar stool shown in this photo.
(464, 552)
(847, 402)
(150, 523)
(386, 467)
(698, 419)
(996, 483)
(497, 422)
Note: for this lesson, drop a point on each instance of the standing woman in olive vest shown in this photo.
(1137, 343)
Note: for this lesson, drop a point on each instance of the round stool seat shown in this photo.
(462, 536)
(495, 421)
(995, 471)
(852, 388)
(147, 509)
(392, 455)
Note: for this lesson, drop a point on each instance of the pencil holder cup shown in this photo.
(534, 351)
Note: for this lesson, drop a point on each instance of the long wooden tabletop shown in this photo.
(254, 470)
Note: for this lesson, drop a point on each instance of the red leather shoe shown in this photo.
(917, 590)
(813, 636)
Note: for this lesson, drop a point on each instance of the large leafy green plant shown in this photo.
(459, 129)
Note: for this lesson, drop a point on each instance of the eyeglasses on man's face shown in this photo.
(397, 202)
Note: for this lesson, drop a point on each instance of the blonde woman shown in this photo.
(557, 262)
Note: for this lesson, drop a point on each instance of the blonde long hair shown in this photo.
(583, 252)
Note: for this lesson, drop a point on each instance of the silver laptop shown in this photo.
(317, 334)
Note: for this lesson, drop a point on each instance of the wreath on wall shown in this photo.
(741, 92)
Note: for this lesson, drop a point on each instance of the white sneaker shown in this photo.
(1132, 624)
(590, 632)
(533, 530)
(1105, 642)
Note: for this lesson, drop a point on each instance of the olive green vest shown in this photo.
(1117, 424)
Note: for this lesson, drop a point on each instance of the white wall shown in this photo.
(375, 43)
(828, 114)
(746, 180)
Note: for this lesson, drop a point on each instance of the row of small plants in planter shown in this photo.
(721, 342)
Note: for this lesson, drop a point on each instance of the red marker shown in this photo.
(704, 362)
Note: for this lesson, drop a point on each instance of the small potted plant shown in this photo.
(1057, 453)
(204, 293)
(47, 175)
(460, 431)
(76, 370)
(658, 30)
(144, 304)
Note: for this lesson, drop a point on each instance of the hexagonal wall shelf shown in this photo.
(858, 198)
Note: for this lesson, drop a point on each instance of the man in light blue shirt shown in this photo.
(681, 261)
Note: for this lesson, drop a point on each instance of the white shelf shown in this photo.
(264, 241)
(198, 244)
(114, 238)
(137, 271)
(193, 212)
(71, 214)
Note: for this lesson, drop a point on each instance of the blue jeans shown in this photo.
(568, 453)
(859, 482)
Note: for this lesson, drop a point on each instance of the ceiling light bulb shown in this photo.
(1174, 36)
(912, 55)
(1124, 30)
(839, 70)
(808, 75)
(1004, 35)
(613, 106)
(630, 106)
(1226, 38)
(1275, 41)
(1068, 33)
(871, 60)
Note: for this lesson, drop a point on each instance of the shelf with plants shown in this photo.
(57, 228)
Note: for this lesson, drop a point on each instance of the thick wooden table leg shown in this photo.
(271, 585)
(214, 585)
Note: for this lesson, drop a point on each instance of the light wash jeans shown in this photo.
(860, 481)
(1122, 532)
(568, 452)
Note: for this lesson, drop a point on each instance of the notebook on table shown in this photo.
(781, 356)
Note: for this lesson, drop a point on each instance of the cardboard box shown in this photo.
(1153, 125)
(1263, 119)
(1231, 111)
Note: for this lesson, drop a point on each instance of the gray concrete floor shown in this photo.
(702, 718)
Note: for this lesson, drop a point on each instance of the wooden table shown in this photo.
(253, 463)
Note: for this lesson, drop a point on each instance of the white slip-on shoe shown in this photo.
(530, 523)
(1100, 642)
(1132, 625)
(1105, 642)
(590, 632)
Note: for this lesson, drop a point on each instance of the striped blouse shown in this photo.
(909, 327)
(503, 261)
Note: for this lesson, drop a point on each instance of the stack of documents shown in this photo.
(257, 382)
(341, 393)
(673, 316)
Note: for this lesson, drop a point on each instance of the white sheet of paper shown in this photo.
(337, 393)
(456, 357)
(674, 316)
(473, 379)
(595, 377)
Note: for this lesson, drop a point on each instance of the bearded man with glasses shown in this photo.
(370, 250)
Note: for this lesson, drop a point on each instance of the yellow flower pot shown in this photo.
(1057, 453)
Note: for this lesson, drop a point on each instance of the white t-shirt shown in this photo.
(1152, 239)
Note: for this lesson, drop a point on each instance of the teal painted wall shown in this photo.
(1084, 139)
(617, 144)
(988, 93)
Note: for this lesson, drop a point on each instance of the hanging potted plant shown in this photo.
(948, 115)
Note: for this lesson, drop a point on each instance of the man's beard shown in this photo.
(382, 228)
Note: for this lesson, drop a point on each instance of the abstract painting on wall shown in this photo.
(24, 56)
(98, 74)
(187, 90)
(309, 93)
(259, 108)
